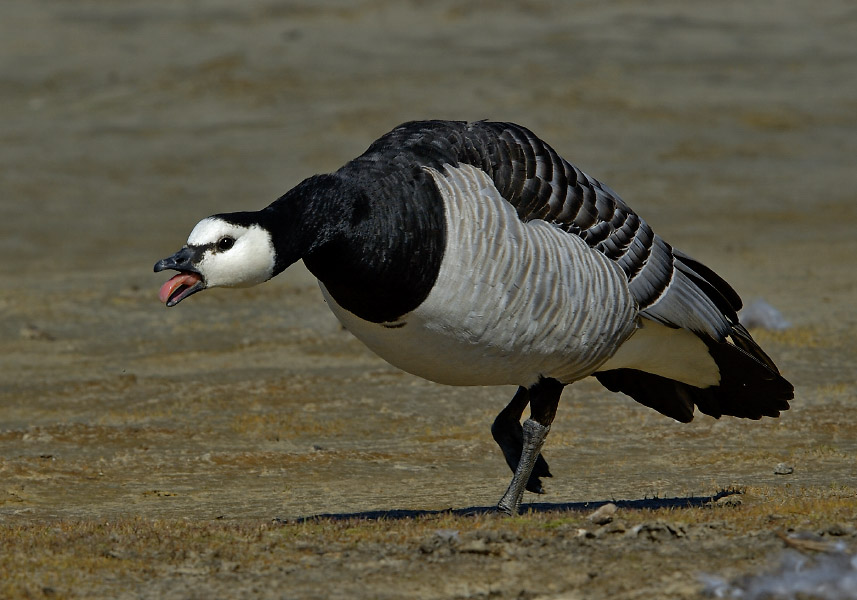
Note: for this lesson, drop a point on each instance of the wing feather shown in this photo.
(668, 286)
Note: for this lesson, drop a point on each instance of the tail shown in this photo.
(750, 385)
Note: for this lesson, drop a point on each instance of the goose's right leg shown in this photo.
(508, 434)
(544, 397)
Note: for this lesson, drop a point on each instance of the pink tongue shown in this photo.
(176, 282)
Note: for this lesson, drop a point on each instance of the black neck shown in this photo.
(375, 245)
(308, 217)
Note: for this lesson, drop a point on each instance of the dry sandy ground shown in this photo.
(146, 452)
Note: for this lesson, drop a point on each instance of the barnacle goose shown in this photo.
(473, 254)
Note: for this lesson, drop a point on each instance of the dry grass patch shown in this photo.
(76, 558)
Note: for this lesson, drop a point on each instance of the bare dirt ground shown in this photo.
(147, 452)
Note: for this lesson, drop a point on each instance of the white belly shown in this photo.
(512, 302)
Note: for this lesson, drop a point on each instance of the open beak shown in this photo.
(188, 281)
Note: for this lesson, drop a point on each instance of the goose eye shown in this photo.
(225, 243)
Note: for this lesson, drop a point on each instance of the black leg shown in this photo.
(508, 434)
(544, 398)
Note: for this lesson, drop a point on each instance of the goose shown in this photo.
(472, 254)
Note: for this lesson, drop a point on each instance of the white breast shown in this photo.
(512, 302)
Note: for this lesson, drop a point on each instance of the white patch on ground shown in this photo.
(831, 576)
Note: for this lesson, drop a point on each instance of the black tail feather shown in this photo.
(750, 387)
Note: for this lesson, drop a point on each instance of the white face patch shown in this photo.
(249, 261)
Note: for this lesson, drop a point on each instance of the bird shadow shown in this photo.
(535, 507)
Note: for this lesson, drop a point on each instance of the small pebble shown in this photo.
(447, 535)
(604, 514)
(839, 529)
(783, 469)
(657, 531)
(611, 528)
(474, 547)
(729, 501)
(31, 332)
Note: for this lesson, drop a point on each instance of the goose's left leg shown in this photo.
(544, 398)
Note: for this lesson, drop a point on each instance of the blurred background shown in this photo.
(730, 126)
(123, 118)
